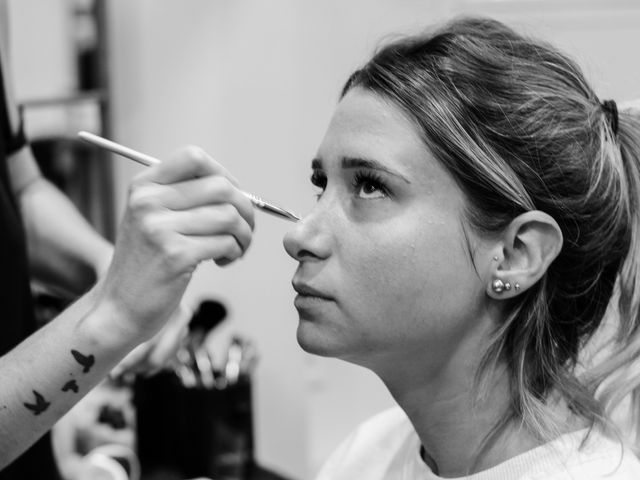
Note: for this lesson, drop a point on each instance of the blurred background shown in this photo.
(254, 83)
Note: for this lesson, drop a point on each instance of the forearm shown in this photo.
(64, 249)
(48, 373)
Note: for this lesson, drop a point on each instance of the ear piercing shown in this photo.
(499, 286)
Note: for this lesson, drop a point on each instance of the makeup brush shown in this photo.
(148, 161)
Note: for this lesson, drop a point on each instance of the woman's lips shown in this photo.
(309, 297)
(306, 290)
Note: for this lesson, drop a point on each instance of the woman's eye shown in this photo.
(319, 180)
(368, 185)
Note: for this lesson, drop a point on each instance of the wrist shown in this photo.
(107, 325)
(102, 260)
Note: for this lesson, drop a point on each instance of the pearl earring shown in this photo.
(498, 286)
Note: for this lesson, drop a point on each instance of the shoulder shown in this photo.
(384, 431)
(390, 422)
(598, 457)
(379, 448)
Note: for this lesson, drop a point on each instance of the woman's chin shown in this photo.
(314, 340)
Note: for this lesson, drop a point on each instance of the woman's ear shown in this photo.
(526, 249)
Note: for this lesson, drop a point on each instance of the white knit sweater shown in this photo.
(387, 447)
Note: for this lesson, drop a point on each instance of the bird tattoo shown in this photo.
(70, 385)
(40, 406)
(84, 360)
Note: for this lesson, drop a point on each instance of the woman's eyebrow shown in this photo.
(349, 162)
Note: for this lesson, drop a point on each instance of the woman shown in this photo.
(477, 216)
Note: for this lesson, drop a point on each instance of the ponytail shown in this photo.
(613, 371)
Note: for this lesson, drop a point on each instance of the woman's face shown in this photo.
(385, 269)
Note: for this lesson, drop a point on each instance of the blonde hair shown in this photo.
(520, 129)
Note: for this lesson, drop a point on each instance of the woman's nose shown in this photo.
(310, 238)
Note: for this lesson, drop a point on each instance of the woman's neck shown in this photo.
(452, 424)
(453, 421)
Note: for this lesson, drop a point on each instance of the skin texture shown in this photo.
(392, 278)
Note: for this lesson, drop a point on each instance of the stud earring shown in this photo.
(498, 286)
(495, 258)
(517, 286)
(507, 286)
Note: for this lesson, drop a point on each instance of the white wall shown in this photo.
(42, 72)
(602, 36)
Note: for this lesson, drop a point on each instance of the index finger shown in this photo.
(185, 164)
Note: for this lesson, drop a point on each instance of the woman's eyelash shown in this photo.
(361, 180)
(364, 179)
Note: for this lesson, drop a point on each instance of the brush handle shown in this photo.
(148, 161)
